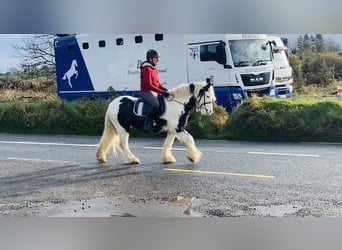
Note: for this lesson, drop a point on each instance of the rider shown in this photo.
(150, 86)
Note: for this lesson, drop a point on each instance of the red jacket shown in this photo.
(149, 79)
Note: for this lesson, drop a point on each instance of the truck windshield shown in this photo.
(251, 52)
(280, 59)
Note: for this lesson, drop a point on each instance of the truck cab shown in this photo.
(283, 72)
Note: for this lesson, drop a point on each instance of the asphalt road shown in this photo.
(59, 176)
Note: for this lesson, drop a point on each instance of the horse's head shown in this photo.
(201, 95)
(206, 98)
(74, 63)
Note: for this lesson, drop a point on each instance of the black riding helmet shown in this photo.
(152, 53)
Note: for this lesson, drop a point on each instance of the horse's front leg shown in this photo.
(192, 153)
(166, 155)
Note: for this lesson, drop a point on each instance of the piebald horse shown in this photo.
(120, 117)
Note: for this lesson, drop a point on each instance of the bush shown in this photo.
(53, 117)
(208, 127)
(286, 120)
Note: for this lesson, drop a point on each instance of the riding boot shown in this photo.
(149, 119)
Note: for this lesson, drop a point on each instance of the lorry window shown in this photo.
(119, 41)
(208, 52)
(158, 37)
(102, 43)
(85, 45)
(280, 59)
(138, 39)
(250, 52)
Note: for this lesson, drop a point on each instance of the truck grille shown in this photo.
(255, 79)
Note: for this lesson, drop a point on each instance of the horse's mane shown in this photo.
(185, 89)
(189, 89)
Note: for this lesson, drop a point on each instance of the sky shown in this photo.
(8, 54)
(9, 60)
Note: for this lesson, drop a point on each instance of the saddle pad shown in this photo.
(140, 108)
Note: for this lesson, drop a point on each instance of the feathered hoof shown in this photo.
(169, 159)
(134, 161)
(193, 160)
(101, 160)
(195, 156)
(100, 157)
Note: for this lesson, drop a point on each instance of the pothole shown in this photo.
(179, 200)
(276, 210)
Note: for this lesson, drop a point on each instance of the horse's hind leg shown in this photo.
(192, 153)
(166, 155)
(129, 156)
(107, 140)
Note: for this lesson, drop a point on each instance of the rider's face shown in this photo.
(155, 60)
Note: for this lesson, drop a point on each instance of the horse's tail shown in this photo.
(110, 138)
(64, 77)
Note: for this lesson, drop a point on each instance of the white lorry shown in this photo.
(283, 72)
(90, 65)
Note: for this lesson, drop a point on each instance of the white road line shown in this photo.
(159, 148)
(48, 143)
(218, 173)
(283, 154)
(39, 160)
(232, 152)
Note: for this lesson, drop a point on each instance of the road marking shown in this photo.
(218, 173)
(232, 152)
(156, 148)
(159, 148)
(48, 143)
(39, 160)
(283, 154)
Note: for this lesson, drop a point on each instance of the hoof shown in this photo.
(166, 161)
(101, 160)
(169, 159)
(134, 161)
(195, 158)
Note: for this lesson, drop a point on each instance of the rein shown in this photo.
(171, 98)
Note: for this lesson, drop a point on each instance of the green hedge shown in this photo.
(256, 119)
(287, 120)
(83, 117)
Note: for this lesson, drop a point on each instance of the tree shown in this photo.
(319, 43)
(38, 65)
(297, 65)
(36, 51)
(332, 46)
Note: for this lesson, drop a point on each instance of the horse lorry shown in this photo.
(283, 72)
(96, 64)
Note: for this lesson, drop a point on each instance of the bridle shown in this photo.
(201, 95)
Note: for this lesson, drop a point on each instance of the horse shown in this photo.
(72, 71)
(120, 117)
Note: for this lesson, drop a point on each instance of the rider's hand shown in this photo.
(165, 94)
